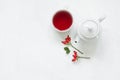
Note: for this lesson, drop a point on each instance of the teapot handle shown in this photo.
(101, 18)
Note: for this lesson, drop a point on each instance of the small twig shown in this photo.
(84, 57)
(76, 49)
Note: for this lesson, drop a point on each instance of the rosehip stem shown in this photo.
(76, 49)
(84, 57)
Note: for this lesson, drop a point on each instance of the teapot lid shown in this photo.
(89, 29)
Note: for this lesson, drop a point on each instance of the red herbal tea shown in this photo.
(62, 20)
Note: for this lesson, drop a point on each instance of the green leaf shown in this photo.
(67, 50)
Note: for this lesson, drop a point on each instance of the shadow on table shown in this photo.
(88, 47)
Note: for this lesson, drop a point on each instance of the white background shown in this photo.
(30, 49)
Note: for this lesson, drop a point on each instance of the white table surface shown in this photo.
(30, 49)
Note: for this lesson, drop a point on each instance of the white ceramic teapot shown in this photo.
(89, 29)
